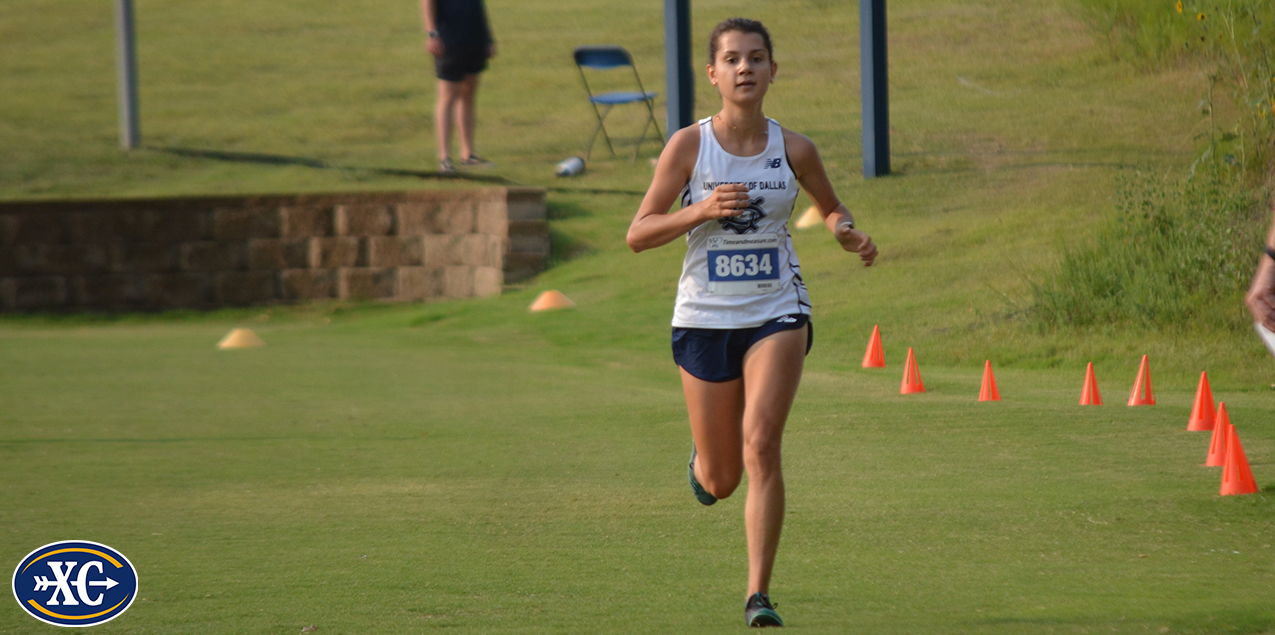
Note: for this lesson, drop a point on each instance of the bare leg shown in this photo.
(772, 371)
(466, 96)
(716, 410)
(447, 96)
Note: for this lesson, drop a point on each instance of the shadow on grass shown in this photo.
(560, 210)
(263, 158)
(563, 247)
(208, 439)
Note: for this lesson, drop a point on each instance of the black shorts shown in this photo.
(717, 355)
(459, 60)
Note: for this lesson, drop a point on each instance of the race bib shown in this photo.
(743, 265)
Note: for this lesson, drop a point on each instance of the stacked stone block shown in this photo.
(209, 252)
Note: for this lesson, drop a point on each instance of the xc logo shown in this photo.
(63, 583)
(75, 583)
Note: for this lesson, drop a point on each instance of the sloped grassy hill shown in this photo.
(1010, 124)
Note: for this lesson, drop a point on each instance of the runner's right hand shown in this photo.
(728, 199)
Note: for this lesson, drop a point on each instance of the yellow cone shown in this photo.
(240, 338)
(551, 299)
(810, 219)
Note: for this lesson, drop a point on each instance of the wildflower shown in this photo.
(1179, 6)
(1201, 17)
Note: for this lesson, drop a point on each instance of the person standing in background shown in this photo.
(460, 40)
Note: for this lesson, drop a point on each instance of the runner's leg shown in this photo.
(772, 371)
(716, 409)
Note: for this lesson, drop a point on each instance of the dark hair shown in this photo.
(743, 25)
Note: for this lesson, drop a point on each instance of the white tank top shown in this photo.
(741, 272)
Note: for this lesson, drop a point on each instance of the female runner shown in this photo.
(742, 317)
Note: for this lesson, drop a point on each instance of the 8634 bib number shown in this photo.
(743, 265)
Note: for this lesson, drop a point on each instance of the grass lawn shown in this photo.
(471, 467)
(411, 469)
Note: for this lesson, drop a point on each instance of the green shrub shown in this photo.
(1182, 252)
(1175, 254)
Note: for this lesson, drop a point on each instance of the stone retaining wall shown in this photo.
(197, 253)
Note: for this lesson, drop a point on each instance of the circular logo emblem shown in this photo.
(75, 583)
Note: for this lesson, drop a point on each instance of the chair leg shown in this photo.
(637, 147)
(606, 137)
(650, 111)
(588, 150)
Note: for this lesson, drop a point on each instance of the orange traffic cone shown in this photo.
(1237, 476)
(551, 299)
(874, 357)
(911, 376)
(1089, 395)
(989, 391)
(1202, 414)
(1217, 446)
(1141, 394)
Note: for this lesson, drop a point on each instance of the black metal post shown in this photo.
(130, 127)
(677, 64)
(876, 99)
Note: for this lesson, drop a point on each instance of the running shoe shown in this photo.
(446, 168)
(759, 612)
(475, 161)
(698, 490)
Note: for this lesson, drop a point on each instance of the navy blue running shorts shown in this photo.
(717, 355)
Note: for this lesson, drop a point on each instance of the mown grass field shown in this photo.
(394, 472)
(470, 467)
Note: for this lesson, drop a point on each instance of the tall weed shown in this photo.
(1232, 44)
(1176, 253)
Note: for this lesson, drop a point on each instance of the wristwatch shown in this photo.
(433, 34)
(1270, 251)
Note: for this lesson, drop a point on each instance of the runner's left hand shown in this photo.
(858, 242)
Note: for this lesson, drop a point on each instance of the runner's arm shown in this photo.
(654, 225)
(808, 167)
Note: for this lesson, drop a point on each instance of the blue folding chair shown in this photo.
(601, 58)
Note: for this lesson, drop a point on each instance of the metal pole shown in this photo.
(677, 64)
(874, 89)
(130, 127)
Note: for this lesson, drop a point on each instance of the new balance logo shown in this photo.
(786, 319)
(772, 163)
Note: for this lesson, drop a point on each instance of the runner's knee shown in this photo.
(762, 451)
(720, 481)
